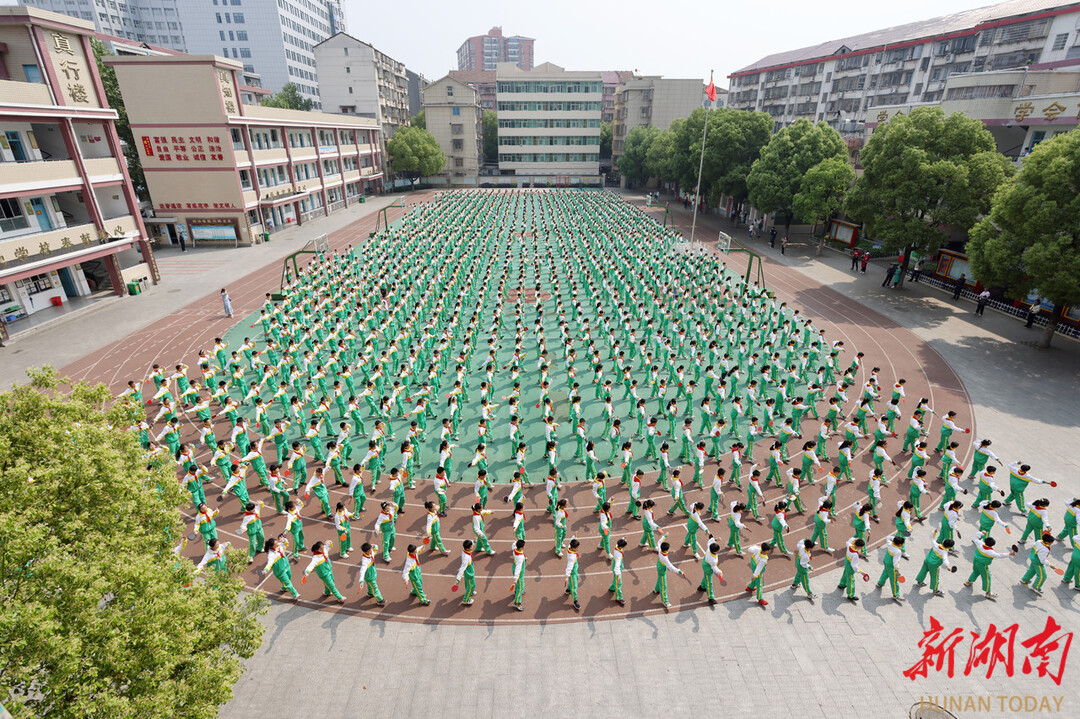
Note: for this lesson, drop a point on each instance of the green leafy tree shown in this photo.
(924, 175)
(419, 120)
(821, 192)
(99, 617)
(660, 159)
(123, 126)
(414, 153)
(605, 140)
(491, 136)
(734, 141)
(1031, 239)
(632, 162)
(776, 176)
(289, 98)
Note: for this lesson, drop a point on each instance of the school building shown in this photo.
(69, 218)
(225, 172)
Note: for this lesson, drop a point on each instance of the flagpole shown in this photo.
(701, 164)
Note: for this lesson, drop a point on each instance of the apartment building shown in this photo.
(220, 171)
(69, 218)
(849, 82)
(654, 101)
(417, 85)
(359, 80)
(483, 81)
(549, 123)
(273, 38)
(454, 116)
(485, 52)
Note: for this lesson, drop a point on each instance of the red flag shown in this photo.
(710, 91)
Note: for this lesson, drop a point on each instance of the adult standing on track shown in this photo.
(227, 302)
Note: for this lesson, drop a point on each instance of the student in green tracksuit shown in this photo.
(663, 565)
(197, 476)
(572, 577)
(368, 575)
(1037, 518)
(252, 524)
(852, 554)
(432, 529)
(1069, 529)
(1019, 478)
(295, 524)
(616, 573)
(277, 561)
(320, 564)
(386, 525)
(802, 568)
(937, 557)
(711, 570)
(1072, 572)
(519, 574)
(734, 526)
(412, 576)
(467, 572)
(1039, 558)
(759, 558)
(780, 526)
(985, 554)
(893, 552)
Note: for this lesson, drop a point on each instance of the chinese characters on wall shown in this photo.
(183, 148)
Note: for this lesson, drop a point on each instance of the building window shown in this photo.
(457, 129)
(457, 111)
(1060, 40)
(33, 73)
(459, 162)
(11, 216)
(458, 144)
(238, 17)
(449, 90)
(245, 52)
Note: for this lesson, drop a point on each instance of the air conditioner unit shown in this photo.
(949, 57)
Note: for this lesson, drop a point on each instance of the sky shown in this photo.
(677, 40)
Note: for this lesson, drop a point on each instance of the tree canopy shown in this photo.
(660, 158)
(734, 141)
(491, 136)
(924, 175)
(822, 190)
(605, 140)
(288, 98)
(777, 175)
(632, 162)
(419, 120)
(100, 619)
(415, 153)
(123, 125)
(1031, 239)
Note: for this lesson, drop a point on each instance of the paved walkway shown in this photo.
(830, 659)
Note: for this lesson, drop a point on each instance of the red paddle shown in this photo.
(901, 578)
(454, 588)
(865, 577)
(427, 540)
(344, 537)
(1053, 483)
(303, 579)
(1058, 570)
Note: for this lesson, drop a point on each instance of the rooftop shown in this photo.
(923, 29)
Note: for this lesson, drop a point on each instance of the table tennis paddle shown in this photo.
(454, 588)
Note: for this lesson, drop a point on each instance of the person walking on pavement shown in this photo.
(772, 235)
(783, 246)
(982, 299)
(889, 275)
(959, 286)
(1032, 311)
(916, 273)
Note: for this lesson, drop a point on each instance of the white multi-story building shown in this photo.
(850, 82)
(274, 38)
(653, 101)
(359, 80)
(549, 122)
(69, 219)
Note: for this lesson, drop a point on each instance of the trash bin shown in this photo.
(56, 301)
(266, 237)
(143, 284)
(361, 199)
(133, 288)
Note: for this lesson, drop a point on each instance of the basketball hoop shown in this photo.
(723, 243)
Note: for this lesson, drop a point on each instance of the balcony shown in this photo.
(24, 93)
(103, 169)
(28, 177)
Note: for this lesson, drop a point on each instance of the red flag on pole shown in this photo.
(710, 91)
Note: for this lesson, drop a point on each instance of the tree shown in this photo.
(776, 176)
(415, 153)
(924, 175)
(289, 98)
(605, 140)
(660, 158)
(632, 162)
(734, 141)
(821, 192)
(1031, 239)
(419, 120)
(100, 619)
(491, 136)
(123, 126)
